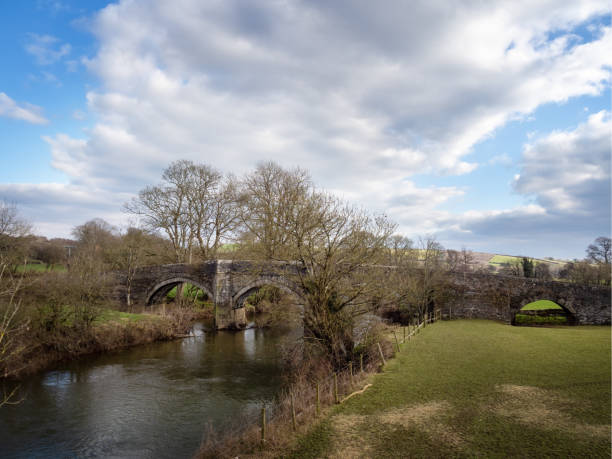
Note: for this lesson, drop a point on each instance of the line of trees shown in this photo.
(594, 269)
(274, 214)
(277, 214)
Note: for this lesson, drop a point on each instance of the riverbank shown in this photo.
(477, 388)
(153, 400)
(110, 331)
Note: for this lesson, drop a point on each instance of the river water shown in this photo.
(155, 400)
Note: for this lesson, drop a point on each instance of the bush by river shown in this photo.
(40, 347)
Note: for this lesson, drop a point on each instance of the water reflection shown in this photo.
(150, 401)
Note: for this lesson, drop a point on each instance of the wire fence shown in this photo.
(270, 424)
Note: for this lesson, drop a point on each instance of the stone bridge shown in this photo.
(489, 296)
(471, 295)
(227, 283)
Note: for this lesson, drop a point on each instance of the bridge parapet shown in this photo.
(228, 282)
(498, 297)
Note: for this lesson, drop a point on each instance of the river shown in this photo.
(155, 400)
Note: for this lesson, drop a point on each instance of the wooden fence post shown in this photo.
(404, 330)
(351, 371)
(293, 413)
(396, 341)
(361, 362)
(382, 356)
(263, 424)
(336, 388)
(317, 404)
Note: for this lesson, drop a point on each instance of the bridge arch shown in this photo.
(566, 305)
(283, 284)
(162, 288)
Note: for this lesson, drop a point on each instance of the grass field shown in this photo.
(524, 319)
(40, 267)
(541, 305)
(192, 293)
(111, 315)
(499, 260)
(479, 389)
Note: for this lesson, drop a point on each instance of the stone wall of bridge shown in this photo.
(471, 295)
(489, 296)
(227, 283)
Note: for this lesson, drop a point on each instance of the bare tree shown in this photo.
(466, 260)
(401, 251)
(460, 261)
(400, 282)
(9, 325)
(542, 271)
(165, 208)
(585, 272)
(332, 245)
(418, 279)
(270, 196)
(337, 246)
(600, 250)
(194, 207)
(133, 249)
(11, 224)
(213, 209)
(49, 252)
(94, 242)
(14, 232)
(452, 260)
(431, 261)
(512, 268)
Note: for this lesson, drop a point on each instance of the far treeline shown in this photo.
(196, 213)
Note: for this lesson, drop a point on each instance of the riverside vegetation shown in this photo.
(56, 316)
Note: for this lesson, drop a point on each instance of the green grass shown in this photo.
(189, 292)
(479, 389)
(111, 315)
(499, 260)
(526, 319)
(541, 305)
(40, 267)
(229, 247)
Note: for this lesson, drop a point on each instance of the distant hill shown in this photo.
(497, 261)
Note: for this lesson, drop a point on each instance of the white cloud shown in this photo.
(57, 207)
(47, 48)
(569, 171)
(30, 113)
(346, 86)
(502, 159)
(568, 174)
(362, 96)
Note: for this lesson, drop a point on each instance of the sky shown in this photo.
(484, 124)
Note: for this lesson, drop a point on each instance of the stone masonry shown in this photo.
(472, 295)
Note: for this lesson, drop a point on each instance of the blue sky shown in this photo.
(484, 124)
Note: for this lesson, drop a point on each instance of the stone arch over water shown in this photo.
(280, 282)
(160, 290)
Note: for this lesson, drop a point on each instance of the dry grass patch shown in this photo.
(349, 440)
(540, 408)
(427, 417)
(352, 437)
